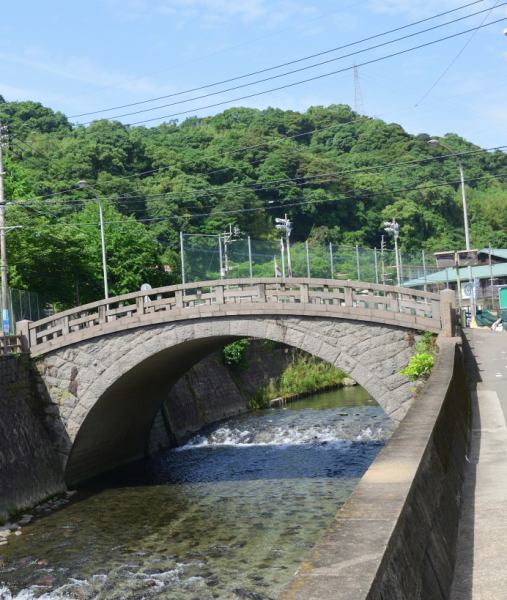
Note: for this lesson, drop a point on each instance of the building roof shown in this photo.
(450, 274)
(495, 252)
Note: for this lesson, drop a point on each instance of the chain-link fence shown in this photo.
(23, 305)
(208, 257)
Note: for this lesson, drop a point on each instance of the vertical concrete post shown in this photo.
(102, 313)
(261, 292)
(219, 294)
(304, 293)
(65, 325)
(23, 330)
(348, 296)
(140, 305)
(178, 294)
(448, 312)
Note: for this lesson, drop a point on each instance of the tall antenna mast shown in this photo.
(358, 96)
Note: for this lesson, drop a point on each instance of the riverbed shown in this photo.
(230, 515)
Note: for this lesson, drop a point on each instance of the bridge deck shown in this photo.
(482, 544)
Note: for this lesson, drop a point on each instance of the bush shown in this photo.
(235, 354)
(309, 374)
(420, 365)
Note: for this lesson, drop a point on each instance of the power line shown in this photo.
(283, 205)
(279, 66)
(234, 149)
(317, 77)
(229, 48)
(258, 186)
(298, 70)
(453, 61)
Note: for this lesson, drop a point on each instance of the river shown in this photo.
(228, 516)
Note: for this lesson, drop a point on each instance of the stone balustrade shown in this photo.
(344, 299)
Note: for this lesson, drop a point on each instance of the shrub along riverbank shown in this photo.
(304, 375)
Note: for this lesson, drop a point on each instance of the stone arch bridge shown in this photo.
(105, 368)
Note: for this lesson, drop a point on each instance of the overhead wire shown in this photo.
(455, 58)
(300, 69)
(280, 65)
(259, 186)
(318, 77)
(283, 205)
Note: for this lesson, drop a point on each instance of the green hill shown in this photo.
(337, 174)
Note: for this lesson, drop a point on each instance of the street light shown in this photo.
(438, 142)
(394, 229)
(228, 237)
(85, 185)
(285, 225)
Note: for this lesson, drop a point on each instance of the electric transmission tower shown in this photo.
(358, 96)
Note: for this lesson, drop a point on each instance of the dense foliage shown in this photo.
(306, 374)
(337, 175)
(422, 360)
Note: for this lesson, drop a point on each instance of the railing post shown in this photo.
(448, 313)
(65, 325)
(304, 293)
(23, 330)
(219, 294)
(140, 305)
(178, 294)
(261, 292)
(348, 296)
(102, 313)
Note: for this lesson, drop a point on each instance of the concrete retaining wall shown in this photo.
(211, 391)
(29, 467)
(395, 538)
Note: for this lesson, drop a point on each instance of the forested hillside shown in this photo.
(337, 174)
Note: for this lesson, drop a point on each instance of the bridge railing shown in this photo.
(10, 344)
(344, 296)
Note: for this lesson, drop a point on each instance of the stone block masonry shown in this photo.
(107, 390)
(30, 469)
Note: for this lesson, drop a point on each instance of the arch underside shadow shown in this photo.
(110, 424)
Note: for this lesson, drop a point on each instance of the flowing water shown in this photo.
(230, 515)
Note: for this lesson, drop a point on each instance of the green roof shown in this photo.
(449, 274)
(496, 252)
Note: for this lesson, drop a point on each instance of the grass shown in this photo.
(305, 375)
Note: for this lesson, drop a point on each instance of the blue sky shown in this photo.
(83, 56)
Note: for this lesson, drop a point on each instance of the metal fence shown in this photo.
(207, 257)
(23, 305)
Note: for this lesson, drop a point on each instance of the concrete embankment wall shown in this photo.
(395, 538)
(29, 467)
(212, 391)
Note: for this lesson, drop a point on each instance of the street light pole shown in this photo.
(394, 228)
(285, 225)
(3, 247)
(84, 185)
(438, 142)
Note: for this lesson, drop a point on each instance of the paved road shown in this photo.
(480, 572)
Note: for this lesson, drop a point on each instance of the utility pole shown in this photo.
(3, 247)
(393, 228)
(285, 225)
(228, 236)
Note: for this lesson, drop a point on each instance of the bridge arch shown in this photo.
(108, 405)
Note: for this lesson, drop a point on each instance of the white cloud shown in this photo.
(268, 13)
(83, 71)
(412, 8)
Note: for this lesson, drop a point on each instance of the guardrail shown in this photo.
(10, 344)
(340, 296)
